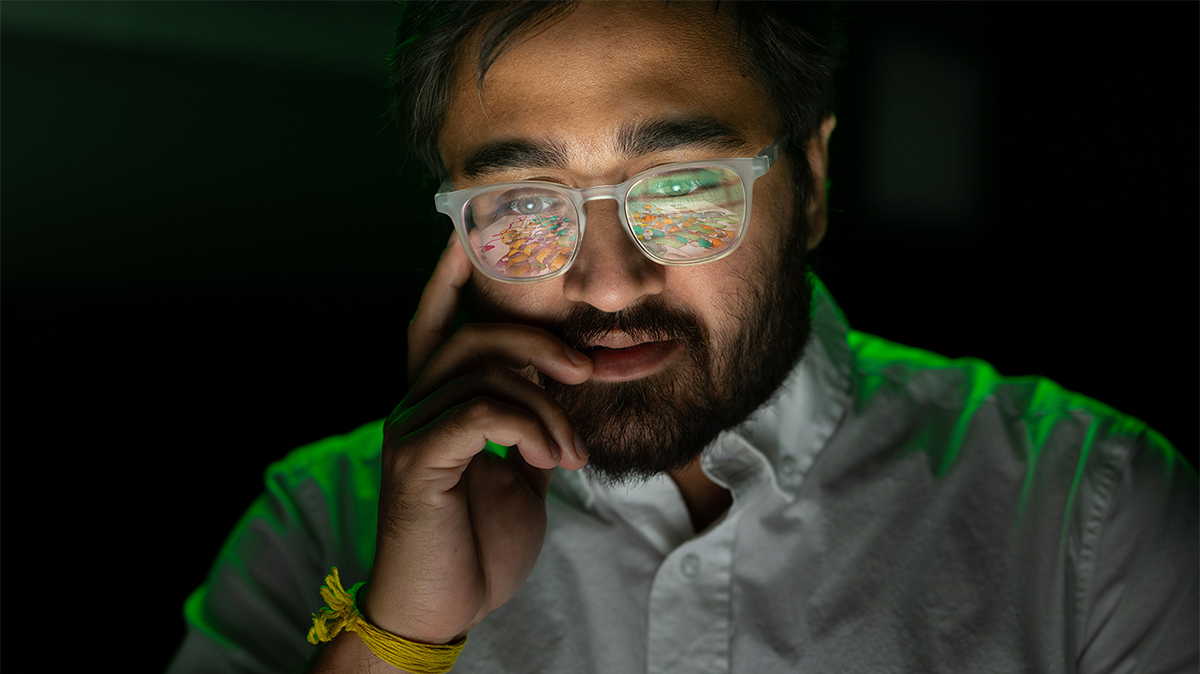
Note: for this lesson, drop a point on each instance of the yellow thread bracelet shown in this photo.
(394, 650)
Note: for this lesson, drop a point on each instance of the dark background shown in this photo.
(212, 247)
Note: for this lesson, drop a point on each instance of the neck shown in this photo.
(706, 500)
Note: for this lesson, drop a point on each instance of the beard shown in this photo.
(661, 423)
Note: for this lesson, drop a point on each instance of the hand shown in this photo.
(460, 529)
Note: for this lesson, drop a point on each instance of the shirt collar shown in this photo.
(789, 431)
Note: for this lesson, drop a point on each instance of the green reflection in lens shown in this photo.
(677, 183)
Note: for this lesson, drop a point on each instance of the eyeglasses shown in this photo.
(678, 214)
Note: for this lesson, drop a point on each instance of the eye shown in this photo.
(679, 183)
(528, 203)
(674, 187)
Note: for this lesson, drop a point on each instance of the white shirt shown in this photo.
(893, 511)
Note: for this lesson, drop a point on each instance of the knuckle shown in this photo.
(542, 334)
(495, 376)
(529, 333)
(480, 410)
(454, 423)
(470, 332)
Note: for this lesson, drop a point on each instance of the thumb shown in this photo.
(434, 320)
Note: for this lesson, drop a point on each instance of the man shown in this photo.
(707, 470)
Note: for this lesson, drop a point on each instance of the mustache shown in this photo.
(650, 320)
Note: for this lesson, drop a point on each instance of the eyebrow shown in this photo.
(515, 154)
(642, 137)
(633, 139)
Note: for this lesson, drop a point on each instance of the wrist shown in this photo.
(344, 614)
(377, 609)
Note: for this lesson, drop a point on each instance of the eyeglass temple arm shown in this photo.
(764, 160)
(441, 200)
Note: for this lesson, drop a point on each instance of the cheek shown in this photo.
(771, 216)
(529, 304)
(770, 225)
(759, 255)
(719, 292)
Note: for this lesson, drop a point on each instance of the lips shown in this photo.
(617, 339)
(618, 357)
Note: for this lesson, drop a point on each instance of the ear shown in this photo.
(818, 163)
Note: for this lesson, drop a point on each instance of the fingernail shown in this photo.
(576, 357)
(580, 449)
(555, 451)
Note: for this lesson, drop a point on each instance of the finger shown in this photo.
(434, 319)
(486, 479)
(508, 514)
(506, 386)
(437, 454)
(477, 345)
(538, 478)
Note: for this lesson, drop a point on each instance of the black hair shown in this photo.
(793, 50)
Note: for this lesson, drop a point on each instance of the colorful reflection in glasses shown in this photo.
(682, 215)
(687, 214)
(523, 246)
(681, 233)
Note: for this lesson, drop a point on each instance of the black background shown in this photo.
(212, 247)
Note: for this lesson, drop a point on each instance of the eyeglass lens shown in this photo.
(677, 216)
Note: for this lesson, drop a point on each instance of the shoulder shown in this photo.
(1050, 444)
(328, 462)
(1052, 454)
(318, 511)
(971, 390)
(332, 486)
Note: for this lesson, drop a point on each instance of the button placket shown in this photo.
(689, 611)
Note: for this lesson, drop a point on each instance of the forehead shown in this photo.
(576, 82)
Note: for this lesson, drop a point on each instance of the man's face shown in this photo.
(680, 352)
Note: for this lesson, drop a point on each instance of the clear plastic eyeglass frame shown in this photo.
(748, 170)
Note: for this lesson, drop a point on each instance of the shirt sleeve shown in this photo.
(1139, 608)
(253, 613)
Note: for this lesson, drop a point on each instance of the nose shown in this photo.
(610, 272)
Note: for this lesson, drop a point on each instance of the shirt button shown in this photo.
(788, 466)
(690, 566)
(789, 472)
